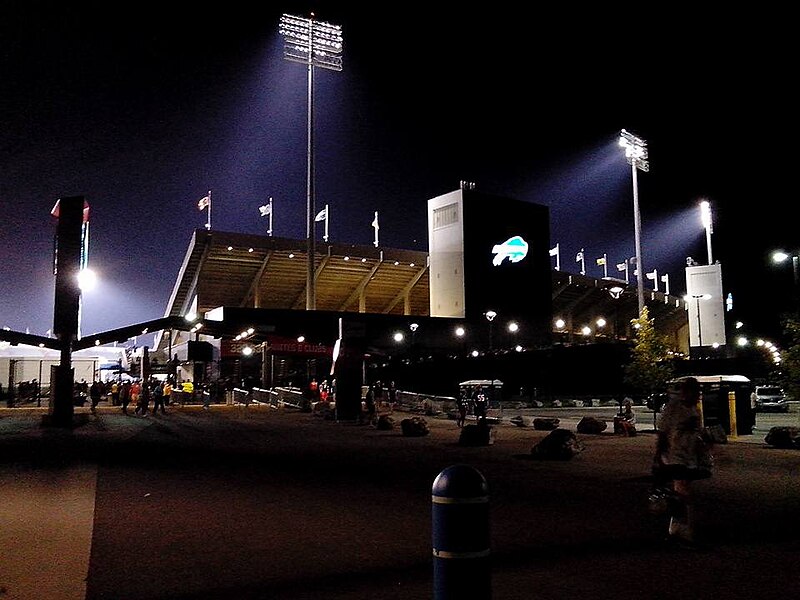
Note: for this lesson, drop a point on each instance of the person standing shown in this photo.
(94, 394)
(125, 395)
(461, 407)
(681, 456)
(167, 391)
(158, 397)
(480, 404)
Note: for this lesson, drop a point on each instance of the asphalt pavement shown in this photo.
(274, 503)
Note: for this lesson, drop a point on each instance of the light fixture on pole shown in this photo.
(705, 217)
(779, 257)
(636, 155)
(490, 315)
(315, 44)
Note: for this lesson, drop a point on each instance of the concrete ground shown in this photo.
(265, 503)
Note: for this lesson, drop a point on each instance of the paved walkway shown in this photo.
(276, 504)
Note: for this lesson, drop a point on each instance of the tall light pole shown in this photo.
(780, 257)
(636, 154)
(490, 315)
(315, 44)
(705, 217)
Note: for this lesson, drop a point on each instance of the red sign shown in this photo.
(276, 345)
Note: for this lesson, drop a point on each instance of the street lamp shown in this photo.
(315, 44)
(779, 257)
(490, 315)
(636, 154)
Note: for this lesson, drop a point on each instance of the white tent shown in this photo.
(26, 363)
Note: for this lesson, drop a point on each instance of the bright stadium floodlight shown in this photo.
(636, 155)
(778, 257)
(705, 218)
(315, 44)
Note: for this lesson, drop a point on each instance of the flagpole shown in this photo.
(376, 226)
(327, 216)
(208, 221)
(558, 257)
(269, 233)
(605, 265)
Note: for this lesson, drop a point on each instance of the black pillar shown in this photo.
(67, 265)
(347, 370)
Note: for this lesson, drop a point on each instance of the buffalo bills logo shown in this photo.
(514, 249)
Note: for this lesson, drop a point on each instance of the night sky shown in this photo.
(143, 113)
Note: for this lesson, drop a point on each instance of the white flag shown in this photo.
(265, 210)
(665, 278)
(322, 215)
(622, 266)
(579, 256)
(554, 251)
(375, 221)
(652, 275)
(203, 202)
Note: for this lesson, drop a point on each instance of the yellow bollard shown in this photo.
(732, 412)
(700, 410)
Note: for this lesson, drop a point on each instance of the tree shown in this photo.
(790, 358)
(649, 369)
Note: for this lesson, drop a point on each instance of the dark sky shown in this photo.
(143, 113)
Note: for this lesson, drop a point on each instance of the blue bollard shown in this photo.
(460, 508)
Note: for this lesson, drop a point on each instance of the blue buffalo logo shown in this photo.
(514, 249)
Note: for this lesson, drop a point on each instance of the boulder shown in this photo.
(591, 425)
(546, 423)
(715, 434)
(476, 435)
(783, 437)
(414, 427)
(384, 422)
(559, 444)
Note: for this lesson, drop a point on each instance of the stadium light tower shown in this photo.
(636, 154)
(315, 44)
(705, 216)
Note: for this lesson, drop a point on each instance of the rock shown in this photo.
(559, 444)
(783, 437)
(715, 434)
(476, 435)
(591, 425)
(546, 423)
(384, 422)
(414, 427)
(519, 421)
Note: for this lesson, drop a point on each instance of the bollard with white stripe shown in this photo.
(460, 509)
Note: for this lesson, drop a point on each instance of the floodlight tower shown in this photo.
(705, 217)
(636, 154)
(315, 44)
